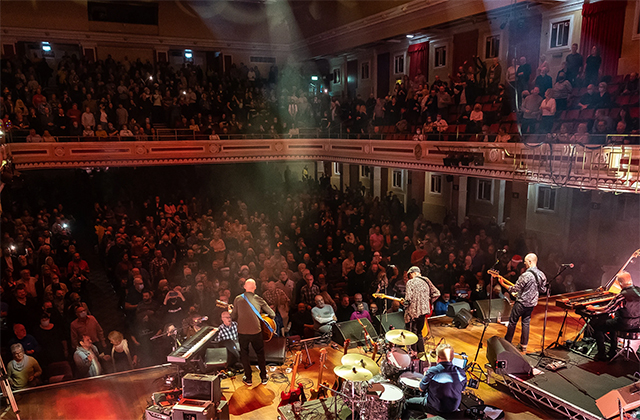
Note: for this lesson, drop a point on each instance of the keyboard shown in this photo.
(590, 297)
(192, 346)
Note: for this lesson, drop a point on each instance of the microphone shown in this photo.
(567, 265)
(201, 319)
(433, 352)
(503, 250)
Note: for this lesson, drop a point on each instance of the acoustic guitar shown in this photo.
(338, 383)
(296, 392)
(268, 324)
(320, 393)
(504, 282)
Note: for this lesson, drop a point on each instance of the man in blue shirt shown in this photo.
(442, 384)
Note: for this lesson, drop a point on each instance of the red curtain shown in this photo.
(418, 59)
(602, 26)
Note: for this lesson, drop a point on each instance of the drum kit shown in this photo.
(378, 392)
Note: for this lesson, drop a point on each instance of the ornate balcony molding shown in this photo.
(611, 168)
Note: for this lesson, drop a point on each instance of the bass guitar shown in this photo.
(320, 393)
(506, 283)
(268, 324)
(296, 392)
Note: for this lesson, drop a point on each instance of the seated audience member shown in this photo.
(360, 312)
(599, 135)
(562, 89)
(47, 137)
(603, 98)
(601, 115)
(503, 136)
(227, 336)
(630, 87)
(563, 136)
(344, 309)
(440, 124)
(23, 371)
(418, 136)
(126, 133)
(442, 304)
(442, 386)
(34, 137)
(29, 344)
(581, 135)
(323, 316)
(475, 119)
(101, 133)
(123, 355)
(548, 112)
(357, 298)
(589, 99)
(87, 358)
(301, 322)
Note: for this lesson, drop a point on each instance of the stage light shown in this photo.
(46, 47)
(188, 54)
(410, 36)
(151, 78)
(314, 78)
(326, 91)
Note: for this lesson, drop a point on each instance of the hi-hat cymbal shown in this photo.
(361, 361)
(401, 337)
(353, 373)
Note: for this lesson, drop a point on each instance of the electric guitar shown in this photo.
(320, 393)
(383, 296)
(296, 392)
(338, 383)
(267, 321)
(505, 282)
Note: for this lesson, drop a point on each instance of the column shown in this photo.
(375, 188)
(462, 198)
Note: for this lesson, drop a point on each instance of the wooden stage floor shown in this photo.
(125, 396)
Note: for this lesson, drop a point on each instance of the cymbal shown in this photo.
(401, 337)
(353, 373)
(361, 361)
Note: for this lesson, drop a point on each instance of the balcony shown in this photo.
(606, 168)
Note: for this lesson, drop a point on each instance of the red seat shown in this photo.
(572, 115)
(487, 107)
(612, 89)
(634, 112)
(483, 99)
(634, 99)
(618, 79)
(614, 113)
(623, 100)
(493, 128)
(462, 128)
(452, 128)
(586, 114)
(511, 117)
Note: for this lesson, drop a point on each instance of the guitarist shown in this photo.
(419, 298)
(528, 287)
(250, 329)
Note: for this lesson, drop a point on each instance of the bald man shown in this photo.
(250, 329)
(627, 309)
(528, 287)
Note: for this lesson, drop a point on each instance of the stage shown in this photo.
(126, 395)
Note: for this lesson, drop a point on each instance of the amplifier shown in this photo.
(188, 409)
(201, 387)
(157, 413)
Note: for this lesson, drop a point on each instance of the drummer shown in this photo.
(442, 384)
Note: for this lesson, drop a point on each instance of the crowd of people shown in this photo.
(317, 255)
(109, 100)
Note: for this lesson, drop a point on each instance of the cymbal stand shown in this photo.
(6, 389)
(306, 361)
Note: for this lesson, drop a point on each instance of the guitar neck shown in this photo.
(383, 296)
(294, 372)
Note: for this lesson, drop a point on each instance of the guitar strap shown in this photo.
(255, 311)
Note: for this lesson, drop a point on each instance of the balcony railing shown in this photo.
(608, 168)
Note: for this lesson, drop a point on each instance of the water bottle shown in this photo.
(499, 317)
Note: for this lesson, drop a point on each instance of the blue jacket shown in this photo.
(444, 384)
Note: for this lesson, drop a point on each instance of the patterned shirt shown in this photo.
(275, 297)
(421, 294)
(528, 286)
(226, 332)
(308, 295)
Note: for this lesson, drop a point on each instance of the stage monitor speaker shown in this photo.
(629, 397)
(455, 308)
(462, 319)
(188, 409)
(353, 331)
(201, 387)
(392, 321)
(497, 306)
(505, 358)
(274, 351)
(216, 357)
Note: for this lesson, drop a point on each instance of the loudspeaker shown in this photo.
(216, 357)
(188, 409)
(462, 319)
(505, 358)
(454, 308)
(629, 399)
(201, 387)
(353, 331)
(497, 305)
(392, 321)
(274, 351)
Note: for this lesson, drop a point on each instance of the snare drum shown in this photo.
(410, 383)
(395, 362)
(386, 404)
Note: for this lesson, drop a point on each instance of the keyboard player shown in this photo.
(627, 316)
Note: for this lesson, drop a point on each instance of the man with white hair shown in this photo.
(419, 298)
(247, 310)
(528, 287)
(627, 316)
